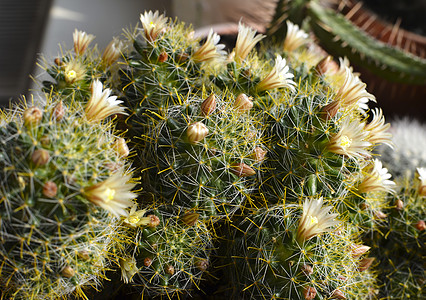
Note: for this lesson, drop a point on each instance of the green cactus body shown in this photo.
(399, 245)
(171, 253)
(54, 239)
(269, 263)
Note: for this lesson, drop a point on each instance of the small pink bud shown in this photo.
(58, 112)
(40, 157)
(307, 270)
(330, 110)
(121, 147)
(169, 269)
(338, 294)
(309, 293)
(50, 189)
(208, 105)
(32, 116)
(358, 250)
(420, 225)
(243, 103)
(242, 170)
(147, 262)
(380, 215)
(68, 272)
(202, 264)
(163, 56)
(259, 154)
(399, 205)
(154, 221)
(190, 218)
(365, 263)
(196, 132)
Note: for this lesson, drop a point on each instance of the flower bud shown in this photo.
(420, 225)
(190, 218)
(84, 255)
(50, 189)
(338, 294)
(330, 110)
(307, 270)
(147, 262)
(68, 272)
(380, 215)
(196, 132)
(242, 170)
(169, 269)
(45, 141)
(243, 103)
(358, 250)
(259, 154)
(163, 56)
(58, 112)
(208, 105)
(40, 157)
(32, 116)
(327, 65)
(399, 205)
(309, 293)
(58, 61)
(121, 147)
(154, 221)
(365, 263)
(202, 264)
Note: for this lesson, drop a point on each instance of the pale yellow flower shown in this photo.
(351, 140)
(246, 40)
(74, 71)
(112, 51)
(136, 218)
(210, 49)
(128, 268)
(353, 92)
(81, 41)
(315, 220)
(279, 77)
(101, 104)
(378, 130)
(421, 174)
(113, 194)
(376, 179)
(295, 37)
(153, 24)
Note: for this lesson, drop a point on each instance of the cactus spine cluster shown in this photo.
(256, 174)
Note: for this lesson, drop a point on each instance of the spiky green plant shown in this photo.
(169, 253)
(62, 186)
(279, 253)
(399, 244)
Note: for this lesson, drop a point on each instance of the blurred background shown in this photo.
(29, 28)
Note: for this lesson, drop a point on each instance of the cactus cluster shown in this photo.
(195, 172)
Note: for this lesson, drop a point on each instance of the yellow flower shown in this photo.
(128, 268)
(350, 140)
(378, 130)
(113, 194)
(81, 41)
(279, 77)
(314, 220)
(246, 40)
(153, 24)
(295, 37)
(376, 179)
(101, 104)
(210, 49)
(74, 71)
(136, 218)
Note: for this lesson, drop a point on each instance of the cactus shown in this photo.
(63, 185)
(278, 253)
(169, 253)
(399, 244)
